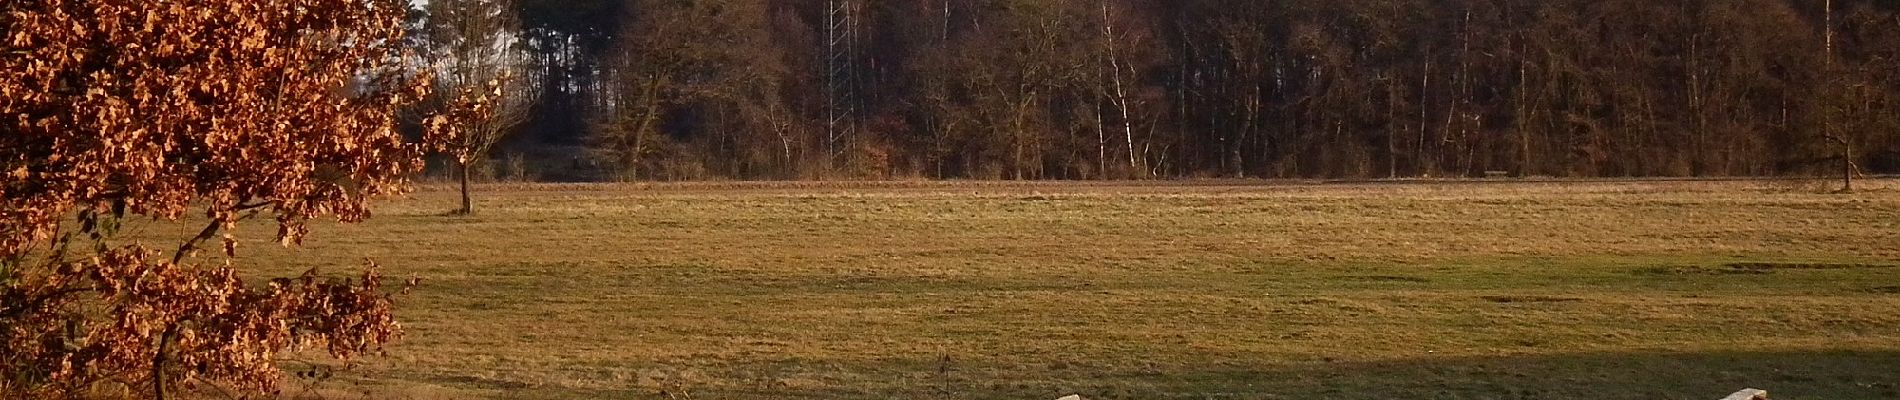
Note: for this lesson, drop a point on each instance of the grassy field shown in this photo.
(1130, 291)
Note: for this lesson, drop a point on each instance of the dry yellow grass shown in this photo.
(1660, 290)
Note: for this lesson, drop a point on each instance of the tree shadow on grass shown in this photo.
(1699, 376)
(1848, 375)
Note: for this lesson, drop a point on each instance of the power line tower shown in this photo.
(841, 89)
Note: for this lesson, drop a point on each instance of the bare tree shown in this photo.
(711, 62)
(476, 45)
(1123, 65)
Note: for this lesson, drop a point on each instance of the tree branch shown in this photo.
(158, 362)
(253, 206)
(10, 312)
(211, 229)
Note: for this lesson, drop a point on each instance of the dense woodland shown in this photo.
(1115, 89)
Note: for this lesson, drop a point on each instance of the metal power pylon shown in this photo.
(841, 83)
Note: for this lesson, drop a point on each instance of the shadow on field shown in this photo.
(1699, 376)
(1685, 376)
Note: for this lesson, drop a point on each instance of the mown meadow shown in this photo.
(1208, 290)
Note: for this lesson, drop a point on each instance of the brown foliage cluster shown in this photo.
(118, 109)
(454, 129)
(200, 324)
(232, 103)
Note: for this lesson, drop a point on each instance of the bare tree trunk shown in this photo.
(1249, 127)
(1828, 31)
(1523, 117)
(1460, 84)
(1101, 134)
(1827, 117)
(1101, 146)
(1121, 93)
(1847, 166)
(1391, 130)
(649, 114)
(1419, 166)
(1847, 162)
(1697, 110)
(467, 206)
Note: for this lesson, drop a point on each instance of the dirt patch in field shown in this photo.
(1389, 278)
(1754, 268)
(1529, 299)
(1804, 266)
(1672, 270)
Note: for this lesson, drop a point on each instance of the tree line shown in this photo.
(1119, 89)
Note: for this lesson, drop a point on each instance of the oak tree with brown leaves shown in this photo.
(477, 57)
(114, 110)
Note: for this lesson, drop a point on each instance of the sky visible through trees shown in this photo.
(1117, 89)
